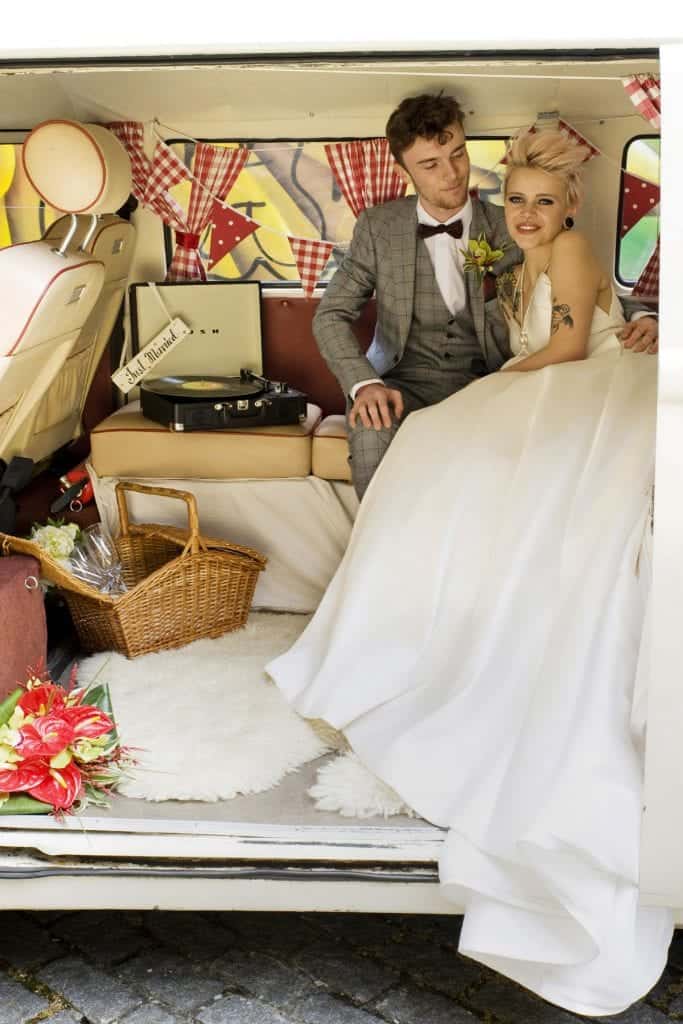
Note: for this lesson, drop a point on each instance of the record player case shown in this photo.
(212, 380)
(225, 322)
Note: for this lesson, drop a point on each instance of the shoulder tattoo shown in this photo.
(561, 316)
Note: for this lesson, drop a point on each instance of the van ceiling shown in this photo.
(316, 99)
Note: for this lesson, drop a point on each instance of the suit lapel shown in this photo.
(403, 246)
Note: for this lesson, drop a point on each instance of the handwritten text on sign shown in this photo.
(147, 358)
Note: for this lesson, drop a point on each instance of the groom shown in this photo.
(438, 327)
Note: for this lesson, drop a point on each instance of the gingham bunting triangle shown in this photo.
(310, 256)
(640, 198)
(573, 134)
(167, 170)
(229, 228)
(645, 95)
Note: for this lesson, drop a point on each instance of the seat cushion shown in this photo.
(127, 444)
(330, 459)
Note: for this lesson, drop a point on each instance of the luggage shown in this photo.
(22, 620)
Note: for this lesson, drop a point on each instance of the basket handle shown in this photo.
(194, 544)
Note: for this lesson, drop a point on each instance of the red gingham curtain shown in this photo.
(647, 285)
(365, 171)
(131, 135)
(215, 171)
(645, 95)
(151, 178)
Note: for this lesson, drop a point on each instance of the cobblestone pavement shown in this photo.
(250, 968)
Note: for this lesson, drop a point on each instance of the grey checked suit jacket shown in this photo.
(381, 260)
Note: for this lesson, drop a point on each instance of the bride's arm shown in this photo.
(575, 277)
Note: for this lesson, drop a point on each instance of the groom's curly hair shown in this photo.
(426, 116)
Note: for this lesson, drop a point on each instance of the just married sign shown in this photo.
(146, 359)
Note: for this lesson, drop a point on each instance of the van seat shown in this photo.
(126, 445)
(45, 299)
(57, 419)
(330, 449)
(81, 169)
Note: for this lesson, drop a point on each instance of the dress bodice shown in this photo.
(604, 326)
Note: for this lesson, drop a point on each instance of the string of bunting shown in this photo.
(230, 227)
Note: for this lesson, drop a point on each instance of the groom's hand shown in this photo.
(641, 335)
(373, 406)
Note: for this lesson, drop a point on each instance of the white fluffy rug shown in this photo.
(207, 724)
(346, 786)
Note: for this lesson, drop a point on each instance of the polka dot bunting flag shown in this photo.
(229, 229)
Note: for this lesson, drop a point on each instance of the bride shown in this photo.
(479, 642)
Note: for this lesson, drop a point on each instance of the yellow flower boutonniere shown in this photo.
(480, 256)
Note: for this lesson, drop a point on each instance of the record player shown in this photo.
(214, 379)
(203, 402)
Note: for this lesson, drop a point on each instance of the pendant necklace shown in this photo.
(519, 292)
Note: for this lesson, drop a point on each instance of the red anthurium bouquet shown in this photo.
(58, 748)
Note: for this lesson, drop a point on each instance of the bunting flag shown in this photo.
(645, 95)
(573, 134)
(167, 170)
(311, 257)
(640, 197)
(581, 139)
(229, 229)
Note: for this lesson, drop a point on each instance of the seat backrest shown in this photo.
(45, 298)
(85, 170)
(57, 419)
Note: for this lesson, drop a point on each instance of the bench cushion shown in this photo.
(126, 444)
(331, 449)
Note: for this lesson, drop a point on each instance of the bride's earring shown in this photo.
(568, 223)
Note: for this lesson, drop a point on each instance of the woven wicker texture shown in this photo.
(182, 586)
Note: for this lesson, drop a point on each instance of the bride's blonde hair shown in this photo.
(551, 150)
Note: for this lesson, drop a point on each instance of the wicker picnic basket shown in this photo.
(182, 586)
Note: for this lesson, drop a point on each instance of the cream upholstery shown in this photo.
(126, 444)
(330, 450)
(77, 168)
(57, 419)
(45, 299)
(53, 152)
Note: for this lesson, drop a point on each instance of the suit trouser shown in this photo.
(367, 446)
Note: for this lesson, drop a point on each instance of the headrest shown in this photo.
(77, 168)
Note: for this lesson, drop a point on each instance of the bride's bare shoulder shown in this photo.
(571, 245)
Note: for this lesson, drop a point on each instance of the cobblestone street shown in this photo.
(250, 968)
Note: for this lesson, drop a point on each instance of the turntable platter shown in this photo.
(202, 387)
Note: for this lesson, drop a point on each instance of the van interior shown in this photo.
(281, 490)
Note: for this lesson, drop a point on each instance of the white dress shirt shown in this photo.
(448, 262)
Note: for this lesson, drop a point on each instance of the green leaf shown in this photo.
(19, 803)
(8, 705)
(98, 694)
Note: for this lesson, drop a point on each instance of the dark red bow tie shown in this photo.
(427, 230)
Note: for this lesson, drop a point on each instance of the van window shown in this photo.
(24, 216)
(634, 248)
(288, 187)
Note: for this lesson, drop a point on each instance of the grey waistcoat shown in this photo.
(442, 352)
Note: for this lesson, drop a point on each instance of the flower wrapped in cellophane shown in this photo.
(59, 748)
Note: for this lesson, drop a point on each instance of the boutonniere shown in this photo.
(480, 257)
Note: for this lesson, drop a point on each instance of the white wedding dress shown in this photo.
(478, 646)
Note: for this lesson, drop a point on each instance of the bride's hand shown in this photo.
(641, 335)
(373, 406)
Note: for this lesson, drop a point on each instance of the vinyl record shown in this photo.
(202, 387)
